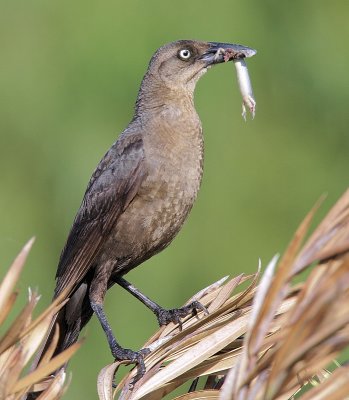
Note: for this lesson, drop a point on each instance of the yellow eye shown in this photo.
(184, 54)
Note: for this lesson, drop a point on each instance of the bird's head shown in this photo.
(179, 65)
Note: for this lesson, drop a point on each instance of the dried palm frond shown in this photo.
(264, 342)
(23, 339)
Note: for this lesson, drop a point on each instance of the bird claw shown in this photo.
(134, 357)
(174, 315)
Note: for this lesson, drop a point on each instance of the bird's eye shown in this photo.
(184, 54)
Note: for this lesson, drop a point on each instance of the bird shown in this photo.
(140, 194)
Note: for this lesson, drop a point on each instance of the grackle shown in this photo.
(140, 193)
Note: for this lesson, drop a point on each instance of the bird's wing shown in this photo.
(112, 187)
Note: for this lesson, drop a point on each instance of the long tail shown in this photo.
(70, 319)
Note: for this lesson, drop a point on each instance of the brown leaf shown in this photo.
(13, 274)
(52, 347)
(8, 307)
(56, 388)
(200, 395)
(330, 238)
(335, 387)
(45, 370)
(15, 330)
(225, 293)
(105, 381)
(207, 347)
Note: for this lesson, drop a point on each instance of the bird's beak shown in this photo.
(223, 52)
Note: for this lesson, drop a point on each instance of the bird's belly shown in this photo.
(151, 221)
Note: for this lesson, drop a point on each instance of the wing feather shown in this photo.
(112, 187)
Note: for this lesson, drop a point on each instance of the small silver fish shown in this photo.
(245, 87)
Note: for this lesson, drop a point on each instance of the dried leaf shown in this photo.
(56, 389)
(225, 293)
(209, 289)
(31, 342)
(335, 387)
(105, 381)
(13, 274)
(200, 395)
(52, 347)
(45, 370)
(207, 347)
(330, 238)
(15, 330)
(7, 307)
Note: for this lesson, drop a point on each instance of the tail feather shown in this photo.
(70, 320)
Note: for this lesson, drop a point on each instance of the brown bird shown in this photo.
(140, 193)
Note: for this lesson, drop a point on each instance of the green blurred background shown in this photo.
(69, 75)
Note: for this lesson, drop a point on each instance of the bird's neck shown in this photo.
(155, 97)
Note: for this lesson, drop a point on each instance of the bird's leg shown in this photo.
(97, 292)
(163, 316)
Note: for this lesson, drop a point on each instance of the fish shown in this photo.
(245, 87)
(243, 78)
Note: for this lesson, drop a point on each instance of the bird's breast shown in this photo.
(174, 167)
(174, 155)
(174, 163)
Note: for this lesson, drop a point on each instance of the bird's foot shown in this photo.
(118, 352)
(174, 315)
(134, 357)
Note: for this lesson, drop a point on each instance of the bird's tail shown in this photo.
(70, 320)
